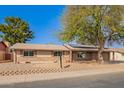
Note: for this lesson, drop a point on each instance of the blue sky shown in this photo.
(45, 21)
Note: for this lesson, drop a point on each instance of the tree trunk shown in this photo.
(100, 56)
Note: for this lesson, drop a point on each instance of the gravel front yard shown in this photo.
(9, 69)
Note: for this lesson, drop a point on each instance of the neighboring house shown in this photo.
(4, 50)
(48, 53)
(118, 55)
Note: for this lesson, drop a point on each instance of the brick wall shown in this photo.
(91, 56)
(41, 57)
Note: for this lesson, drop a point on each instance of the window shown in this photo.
(57, 53)
(28, 53)
(82, 55)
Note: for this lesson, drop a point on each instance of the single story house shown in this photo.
(49, 53)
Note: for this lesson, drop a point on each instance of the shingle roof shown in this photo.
(75, 47)
(82, 46)
(39, 47)
(64, 47)
(120, 50)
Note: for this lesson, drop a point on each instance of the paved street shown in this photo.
(113, 80)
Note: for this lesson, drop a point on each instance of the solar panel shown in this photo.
(82, 46)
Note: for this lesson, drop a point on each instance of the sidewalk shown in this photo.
(57, 75)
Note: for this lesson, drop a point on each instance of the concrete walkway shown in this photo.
(57, 75)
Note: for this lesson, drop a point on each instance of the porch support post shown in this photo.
(71, 56)
(14, 56)
(113, 56)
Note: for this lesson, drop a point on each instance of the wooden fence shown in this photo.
(5, 56)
